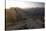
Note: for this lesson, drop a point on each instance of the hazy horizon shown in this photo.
(23, 4)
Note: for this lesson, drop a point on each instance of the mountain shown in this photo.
(29, 18)
(34, 11)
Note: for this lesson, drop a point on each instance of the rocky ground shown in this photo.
(27, 24)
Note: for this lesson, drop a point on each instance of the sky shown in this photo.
(23, 4)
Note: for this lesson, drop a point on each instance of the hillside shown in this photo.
(31, 18)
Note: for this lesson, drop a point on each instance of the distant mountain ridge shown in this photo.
(32, 11)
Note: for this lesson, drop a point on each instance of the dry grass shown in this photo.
(10, 16)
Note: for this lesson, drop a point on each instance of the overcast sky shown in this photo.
(23, 4)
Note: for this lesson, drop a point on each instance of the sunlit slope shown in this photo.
(13, 16)
(10, 16)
